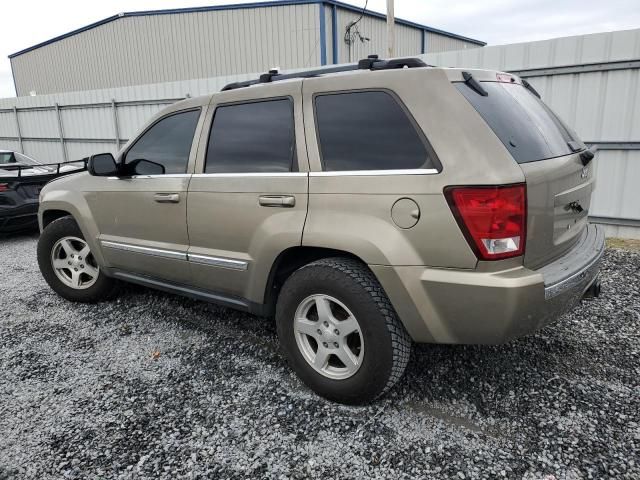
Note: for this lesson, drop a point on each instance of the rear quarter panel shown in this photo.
(353, 213)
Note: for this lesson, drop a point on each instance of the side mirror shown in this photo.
(140, 166)
(102, 165)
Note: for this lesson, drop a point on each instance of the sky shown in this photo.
(28, 22)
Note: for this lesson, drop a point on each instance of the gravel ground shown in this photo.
(157, 386)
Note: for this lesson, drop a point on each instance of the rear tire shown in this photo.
(68, 266)
(314, 305)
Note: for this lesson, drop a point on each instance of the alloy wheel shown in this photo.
(73, 263)
(329, 336)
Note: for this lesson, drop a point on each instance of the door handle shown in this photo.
(284, 201)
(167, 197)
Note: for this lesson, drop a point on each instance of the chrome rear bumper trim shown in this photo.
(585, 274)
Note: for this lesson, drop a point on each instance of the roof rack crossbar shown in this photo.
(372, 62)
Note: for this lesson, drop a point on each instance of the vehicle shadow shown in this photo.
(23, 234)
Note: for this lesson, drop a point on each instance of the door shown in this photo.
(248, 202)
(141, 216)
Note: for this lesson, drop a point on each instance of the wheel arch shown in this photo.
(288, 261)
(72, 204)
(51, 215)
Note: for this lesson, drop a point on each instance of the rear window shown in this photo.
(525, 125)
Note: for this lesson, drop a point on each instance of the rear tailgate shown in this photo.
(558, 196)
(559, 186)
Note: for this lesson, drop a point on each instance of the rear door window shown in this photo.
(368, 130)
(529, 129)
(252, 137)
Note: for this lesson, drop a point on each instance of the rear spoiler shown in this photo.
(57, 166)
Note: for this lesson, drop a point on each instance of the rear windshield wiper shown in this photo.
(473, 84)
(529, 87)
(576, 146)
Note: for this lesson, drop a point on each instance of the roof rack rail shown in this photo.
(372, 62)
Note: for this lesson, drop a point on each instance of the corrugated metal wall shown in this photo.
(593, 83)
(152, 48)
(163, 48)
(408, 39)
(440, 43)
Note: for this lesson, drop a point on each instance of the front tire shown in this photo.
(68, 266)
(339, 331)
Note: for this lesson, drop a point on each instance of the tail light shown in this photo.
(492, 218)
(4, 187)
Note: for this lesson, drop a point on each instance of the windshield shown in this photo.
(7, 157)
(23, 159)
(525, 125)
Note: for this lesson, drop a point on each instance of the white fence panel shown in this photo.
(12, 145)
(78, 151)
(617, 179)
(132, 117)
(7, 126)
(90, 123)
(44, 151)
(38, 123)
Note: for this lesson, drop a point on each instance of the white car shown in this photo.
(18, 164)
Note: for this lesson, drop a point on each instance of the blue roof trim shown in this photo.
(323, 36)
(276, 3)
(334, 34)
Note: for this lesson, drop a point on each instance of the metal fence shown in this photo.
(592, 81)
(58, 133)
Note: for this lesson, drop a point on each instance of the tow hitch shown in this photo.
(594, 290)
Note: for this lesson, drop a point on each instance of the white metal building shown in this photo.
(170, 45)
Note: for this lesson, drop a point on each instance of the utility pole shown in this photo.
(391, 30)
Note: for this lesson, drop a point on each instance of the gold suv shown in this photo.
(364, 206)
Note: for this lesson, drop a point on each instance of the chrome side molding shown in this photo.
(158, 252)
(375, 173)
(218, 261)
(231, 263)
(250, 174)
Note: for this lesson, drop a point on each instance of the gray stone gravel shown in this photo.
(156, 386)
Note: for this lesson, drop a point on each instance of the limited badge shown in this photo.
(585, 172)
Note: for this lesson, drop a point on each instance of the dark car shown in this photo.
(21, 179)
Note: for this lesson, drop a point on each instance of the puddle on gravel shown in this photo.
(453, 420)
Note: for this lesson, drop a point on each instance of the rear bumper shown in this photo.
(454, 306)
(579, 266)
